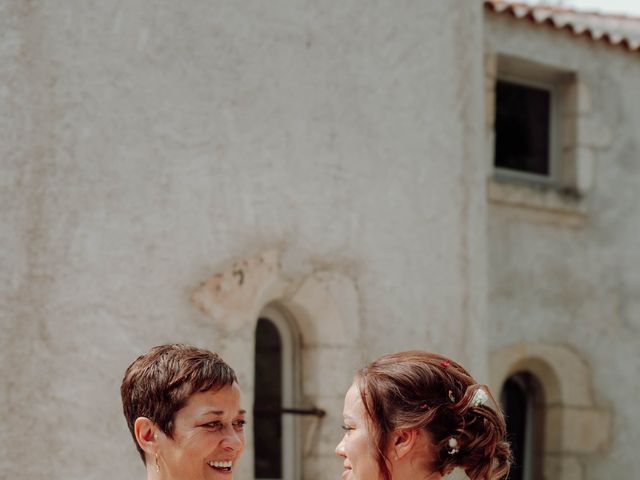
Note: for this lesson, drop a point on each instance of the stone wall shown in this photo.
(563, 267)
(146, 146)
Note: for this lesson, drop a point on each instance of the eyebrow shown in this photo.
(220, 412)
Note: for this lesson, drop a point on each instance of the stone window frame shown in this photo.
(324, 304)
(290, 342)
(576, 136)
(574, 426)
(516, 73)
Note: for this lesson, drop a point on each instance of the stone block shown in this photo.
(576, 430)
(586, 430)
(585, 169)
(578, 99)
(562, 468)
(591, 132)
(242, 290)
(553, 430)
(564, 375)
(490, 106)
(326, 306)
(569, 131)
(491, 66)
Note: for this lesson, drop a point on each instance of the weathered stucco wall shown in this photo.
(145, 146)
(576, 284)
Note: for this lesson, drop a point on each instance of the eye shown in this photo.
(213, 425)
(239, 424)
(346, 428)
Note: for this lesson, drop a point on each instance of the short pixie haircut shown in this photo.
(159, 383)
(428, 391)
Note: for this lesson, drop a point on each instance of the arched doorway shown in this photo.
(276, 449)
(569, 425)
(522, 400)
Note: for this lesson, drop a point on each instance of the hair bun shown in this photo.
(484, 454)
(475, 438)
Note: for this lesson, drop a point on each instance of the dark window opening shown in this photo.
(267, 429)
(514, 401)
(521, 400)
(522, 129)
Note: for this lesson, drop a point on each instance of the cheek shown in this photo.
(368, 464)
(359, 449)
(242, 441)
(199, 444)
(179, 457)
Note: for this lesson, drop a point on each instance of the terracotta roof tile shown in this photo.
(617, 30)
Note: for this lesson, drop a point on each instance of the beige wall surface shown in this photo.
(145, 146)
(576, 284)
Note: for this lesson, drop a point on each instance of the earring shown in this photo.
(157, 465)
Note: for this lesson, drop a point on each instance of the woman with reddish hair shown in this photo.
(418, 415)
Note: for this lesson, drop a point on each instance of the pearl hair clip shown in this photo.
(453, 446)
(479, 397)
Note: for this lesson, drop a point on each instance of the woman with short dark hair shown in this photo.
(418, 415)
(182, 406)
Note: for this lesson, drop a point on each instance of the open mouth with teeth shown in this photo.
(221, 466)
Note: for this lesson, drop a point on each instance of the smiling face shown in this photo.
(208, 437)
(357, 446)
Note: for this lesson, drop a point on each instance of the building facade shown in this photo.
(562, 303)
(308, 186)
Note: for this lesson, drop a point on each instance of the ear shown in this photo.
(403, 442)
(146, 435)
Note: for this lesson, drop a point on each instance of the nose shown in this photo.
(340, 449)
(233, 440)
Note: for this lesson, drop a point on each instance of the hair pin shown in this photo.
(424, 406)
(453, 446)
(445, 363)
(480, 397)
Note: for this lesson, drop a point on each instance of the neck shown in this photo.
(152, 474)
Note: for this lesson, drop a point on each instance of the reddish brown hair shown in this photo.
(417, 389)
(159, 383)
